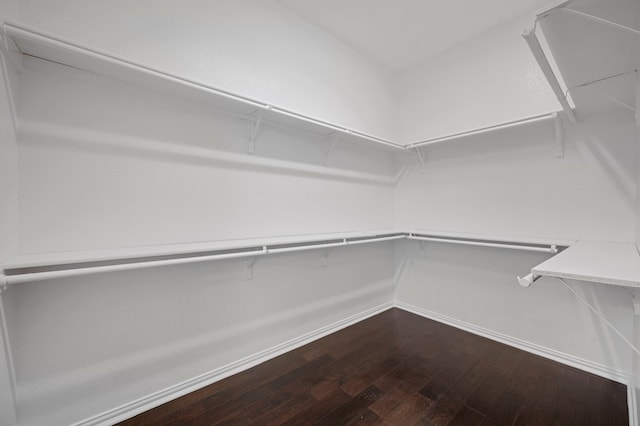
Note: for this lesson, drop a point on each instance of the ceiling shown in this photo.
(401, 33)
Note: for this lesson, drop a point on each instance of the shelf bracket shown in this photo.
(325, 257)
(557, 118)
(250, 263)
(423, 247)
(528, 279)
(4, 285)
(421, 158)
(255, 121)
(330, 142)
(11, 52)
(636, 303)
(638, 99)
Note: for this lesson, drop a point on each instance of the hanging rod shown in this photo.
(545, 248)
(486, 129)
(16, 275)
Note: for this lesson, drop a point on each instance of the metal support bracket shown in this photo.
(638, 99)
(11, 52)
(255, 121)
(423, 247)
(330, 142)
(250, 263)
(557, 118)
(528, 279)
(421, 158)
(325, 257)
(636, 304)
(4, 285)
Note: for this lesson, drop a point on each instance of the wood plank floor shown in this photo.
(401, 369)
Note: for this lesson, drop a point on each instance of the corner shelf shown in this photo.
(597, 57)
(599, 262)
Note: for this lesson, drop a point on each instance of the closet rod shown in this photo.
(486, 243)
(18, 275)
(481, 130)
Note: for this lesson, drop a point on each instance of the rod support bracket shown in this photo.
(636, 305)
(527, 280)
(325, 257)
(4, 284)
(255, 121)
(250, 263)
(421, 158)
(330, 142)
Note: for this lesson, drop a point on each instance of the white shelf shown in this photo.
(596, 59)
(598, 262)
(34, 43)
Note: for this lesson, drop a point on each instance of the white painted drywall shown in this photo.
(76, 195)
(252, 47)
(8, 223)
(89, 344)
(8, 10)
(510, 184)
(477, 286)
(92, 343)
(488, 80)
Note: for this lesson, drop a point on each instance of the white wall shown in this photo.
(89, 344)
(86, 345)
(76, 194)
(476, 287)
(488, 80)
(8, 212)
(256, 48)
(510, 184)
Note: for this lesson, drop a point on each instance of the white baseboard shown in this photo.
(153, 400)
(632, 404)
(563, 358)
(158, 398)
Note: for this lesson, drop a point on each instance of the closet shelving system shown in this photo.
(597, 52)
(612, 83)
(560, 26)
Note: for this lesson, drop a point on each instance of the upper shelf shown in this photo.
(33, 43)
(596, 46)
(599, 262)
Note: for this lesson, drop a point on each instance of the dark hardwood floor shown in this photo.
(401, 369)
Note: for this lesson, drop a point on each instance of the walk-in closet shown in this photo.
(340, 191)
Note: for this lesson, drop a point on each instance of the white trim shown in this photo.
(153, 400)
(561, 357)
(7, 83)
(632, 404)
(156, 399)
